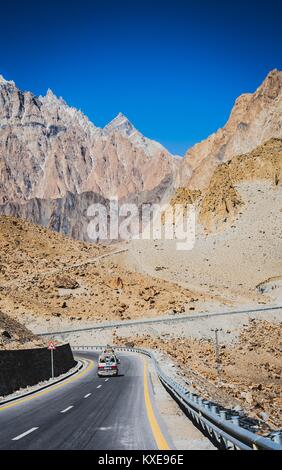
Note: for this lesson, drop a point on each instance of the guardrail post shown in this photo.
(278, 438)
(235, 420)
(222, 414)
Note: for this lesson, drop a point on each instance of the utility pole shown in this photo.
(217, 353)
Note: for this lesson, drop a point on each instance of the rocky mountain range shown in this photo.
(54, 162)
(48, 149)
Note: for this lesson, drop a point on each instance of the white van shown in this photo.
(107, 365)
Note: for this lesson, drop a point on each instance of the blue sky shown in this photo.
(173, 67)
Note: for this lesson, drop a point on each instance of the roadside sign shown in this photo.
(51, 346)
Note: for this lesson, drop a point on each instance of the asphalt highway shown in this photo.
(88, 412)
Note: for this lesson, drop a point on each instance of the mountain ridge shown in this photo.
(48, 148)
(255, 118)
(52, 157)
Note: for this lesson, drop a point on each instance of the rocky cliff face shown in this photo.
(53, 160)
(68, 214)
(255, 119)
(221, 201)
(48, 149)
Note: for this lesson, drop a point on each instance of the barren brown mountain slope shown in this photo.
(27, 249)
(255, 119)
(50, 279)
(13, 335)
(221, 201)
(238, 241)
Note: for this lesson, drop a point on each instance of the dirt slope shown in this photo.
(44, 278)
(238, 234)
(221, 201)
(13, 335)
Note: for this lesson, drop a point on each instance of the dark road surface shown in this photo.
(88, 412)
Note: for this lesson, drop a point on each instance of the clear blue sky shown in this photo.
(173, 67)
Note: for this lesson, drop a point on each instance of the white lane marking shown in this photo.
(17, 438)
(67, 409)
(106, 380)
(88, 395)
(99, 386)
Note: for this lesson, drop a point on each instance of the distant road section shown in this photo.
(167, 319)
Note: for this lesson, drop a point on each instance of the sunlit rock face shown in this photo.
(50, 151)
(255, 119)
(48, 148)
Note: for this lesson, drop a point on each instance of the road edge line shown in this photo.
(157, 433)
(50, 388)
(19, 397)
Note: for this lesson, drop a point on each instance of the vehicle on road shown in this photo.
(109, 350)
(107, 365)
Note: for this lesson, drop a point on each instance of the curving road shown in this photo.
(87, 412)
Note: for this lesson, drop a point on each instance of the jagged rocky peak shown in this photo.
(120, 124)
(16, 107)
(50, 94)
(3, 81)
(272, 85)
(51, 98)
(49, 149)
(56, 110)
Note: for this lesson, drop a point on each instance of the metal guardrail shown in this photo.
(223, 427)
(155, 321)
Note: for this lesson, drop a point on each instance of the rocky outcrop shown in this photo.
(66, 282)
(255, 119)
(69, 215)
(13, 335)
(221, 200)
